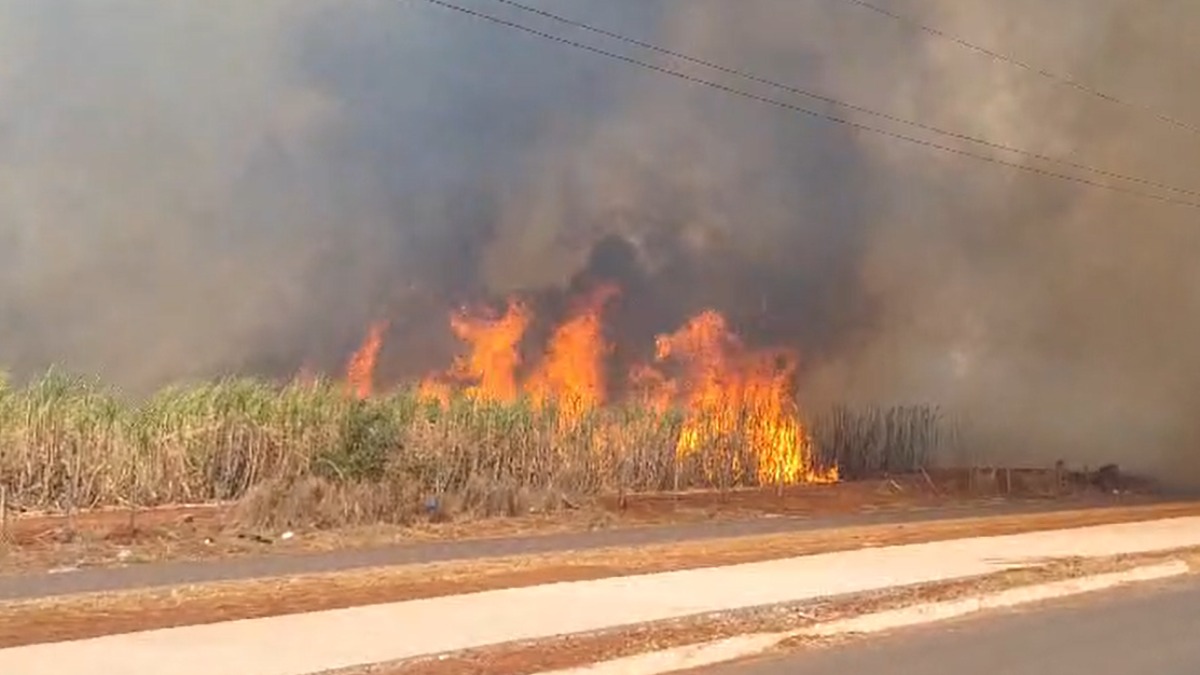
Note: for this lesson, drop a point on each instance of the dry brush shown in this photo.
(308, 451)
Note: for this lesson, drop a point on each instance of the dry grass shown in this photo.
(307, 453)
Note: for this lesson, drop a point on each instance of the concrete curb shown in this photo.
(952, 609)
(745, 646)
(395, 632)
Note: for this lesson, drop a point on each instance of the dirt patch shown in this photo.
(83, 616)
(577, 650)
(34, 542)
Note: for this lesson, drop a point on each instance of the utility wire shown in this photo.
(842, 104)
(1024, 65)
(806, 111)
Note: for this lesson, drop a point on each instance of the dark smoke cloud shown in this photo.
(197, 188)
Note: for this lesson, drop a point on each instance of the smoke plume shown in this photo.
(190, 189)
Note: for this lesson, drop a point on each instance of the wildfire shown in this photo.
(489, 368)
(729, 390)
(730, 396)
(360, 372)
(572, 372)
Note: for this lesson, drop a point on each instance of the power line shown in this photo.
(843, 104)
(1024, 65)
(802, 110)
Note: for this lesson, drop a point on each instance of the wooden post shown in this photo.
(133, 500)
(929, 481)
(3, 513)
(72, 490)
(623, 478)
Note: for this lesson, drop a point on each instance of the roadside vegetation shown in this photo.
(309, 452)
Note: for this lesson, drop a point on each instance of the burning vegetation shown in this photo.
(731, 402)
(539, 410)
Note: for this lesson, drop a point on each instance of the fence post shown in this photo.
(133, 491)
(3, 513)
(675, 470)
(133, 504)
(72, 490)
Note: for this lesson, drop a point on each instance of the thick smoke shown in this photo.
(1060, 320)
(189, 189)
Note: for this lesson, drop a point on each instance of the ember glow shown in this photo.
(729, 396)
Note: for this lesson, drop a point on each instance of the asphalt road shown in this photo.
(1143, 629)
(89, 580)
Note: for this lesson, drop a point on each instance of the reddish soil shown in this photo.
(31, 542)
(76, 617)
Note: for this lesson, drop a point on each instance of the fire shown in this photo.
(488, 370)
(572, 372)
(433, 389)
(360, 372)
(654, 389)
(730, 396)
(730, 390)
(711, 386)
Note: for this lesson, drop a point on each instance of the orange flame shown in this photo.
(731, 396)
(572, 372)
(489, 367)
(729, 389)
(434, 389)
(360, 372)
(653, 388)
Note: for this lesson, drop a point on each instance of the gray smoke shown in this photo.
(1061, 321)
(189, 189)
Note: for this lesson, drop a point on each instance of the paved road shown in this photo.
(192, 572)
(300, 644)
(1145, 629)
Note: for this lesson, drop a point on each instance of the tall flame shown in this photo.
(728, 389)
(360, 372)
(489, 368)
(572, 371)
(730, 395)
